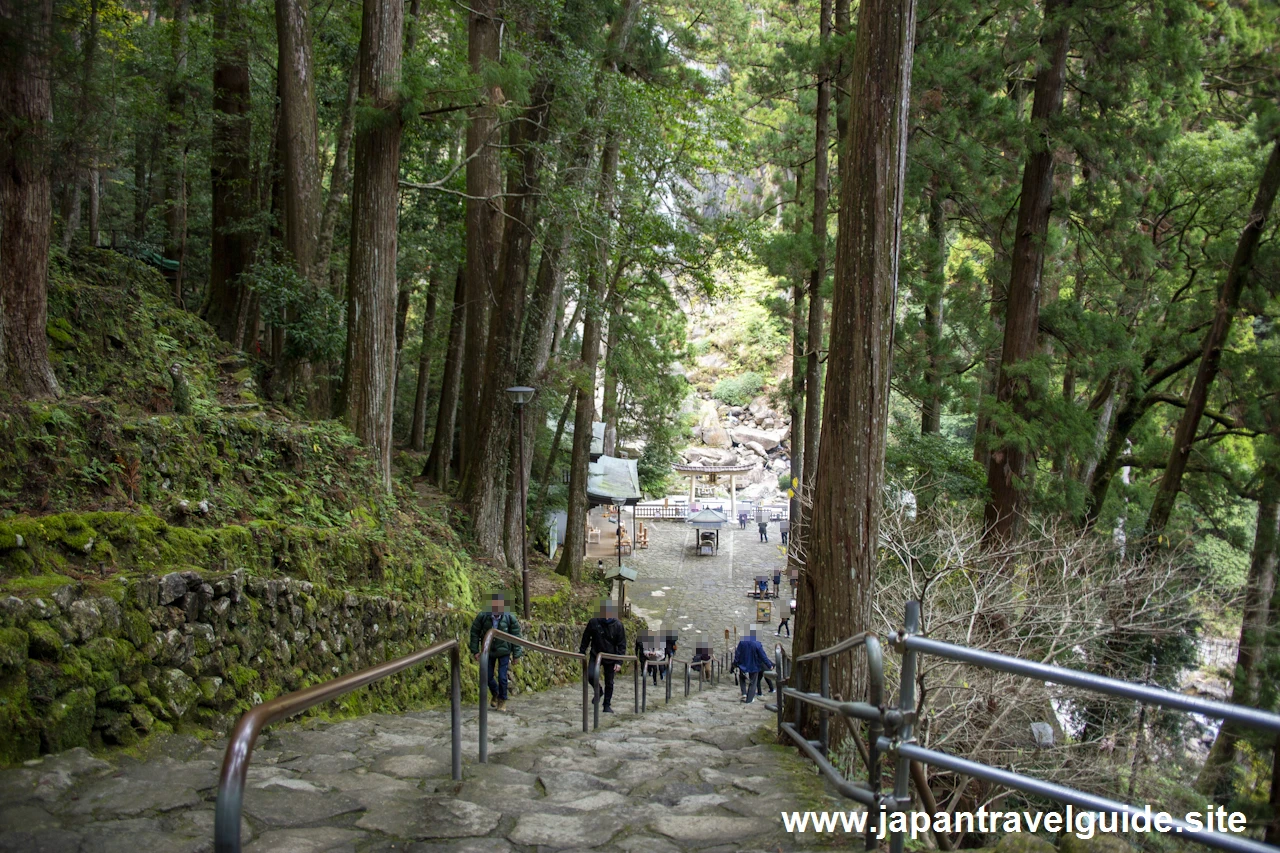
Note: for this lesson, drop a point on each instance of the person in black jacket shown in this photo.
(605, 634)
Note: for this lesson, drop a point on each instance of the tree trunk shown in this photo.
(1215, 779)
(300, 173)
(79, 159)
(73, 203)
(438, 461)
(935, 286)
(404, 295)
(486, 472)
(1007, 465)
(483, 222)
(229, 168)
(1214, 341)
(95, 208)
(548, 470)
(609, 405)
(26, 203)
(175, 152)
(575, 539)
(836, 584)
(417, 434)
(341, 172)
(818, 274)
(799, 317)
(371, 306)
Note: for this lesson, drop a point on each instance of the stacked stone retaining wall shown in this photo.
(188, 650)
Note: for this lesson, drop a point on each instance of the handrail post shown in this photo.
(455, 712)
(595, 697)
(636, 678)
(670, 667)
(875, 728)
(644, 689)
(823, 715)
(906, 705)
(484, 703)
(586, 678)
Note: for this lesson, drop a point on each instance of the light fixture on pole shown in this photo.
(519, 395)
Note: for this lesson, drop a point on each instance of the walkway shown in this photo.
(699, 597)
(699, 774)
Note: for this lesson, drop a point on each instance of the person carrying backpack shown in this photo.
(500, 651)
(604, 633)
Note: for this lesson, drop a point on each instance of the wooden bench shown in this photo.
(593, 534)
(642, 536)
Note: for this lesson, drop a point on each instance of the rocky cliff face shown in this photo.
(754, 435)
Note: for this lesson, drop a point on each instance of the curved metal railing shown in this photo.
(235, 763)
(868, 792)
(900, 744)
(483, 658)
(595, 697)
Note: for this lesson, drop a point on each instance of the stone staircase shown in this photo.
(702, 773)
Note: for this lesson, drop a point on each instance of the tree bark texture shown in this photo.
(935, 286)
(484, 222)
(799, 328)
(609, 404)
(175, 152)
(439, 460)
(371, 307)
(340, 174)
(421, 394)
(836, 584)
(818, 274)
(1215, 775)
(231, 245)
(26, 203)
(575, 537)
(1007, 464)
(486, 476)
(1214, 341)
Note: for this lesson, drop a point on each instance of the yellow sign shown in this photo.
(795, 482)
(791, 493)
(764, 611)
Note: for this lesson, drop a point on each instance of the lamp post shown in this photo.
(521, 394)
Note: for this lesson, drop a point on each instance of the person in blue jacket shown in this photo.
(750, 659)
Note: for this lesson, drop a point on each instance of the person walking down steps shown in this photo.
(604, 633)
(750, 660)
(501, 651)
(785, 622)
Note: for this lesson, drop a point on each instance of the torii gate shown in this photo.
(693, 472)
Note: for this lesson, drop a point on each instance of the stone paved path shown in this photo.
(702, 596)
(699, 774)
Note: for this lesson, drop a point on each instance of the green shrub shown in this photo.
(738, 390)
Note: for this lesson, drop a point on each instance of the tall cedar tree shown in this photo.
(1008, 460)
(486, 474)
(483, 219)
(836, 584)
(1214, 341)
(231, 245)
(371, 283)
(436, 468)
(300, 168)
(575, 539)
(26, 205)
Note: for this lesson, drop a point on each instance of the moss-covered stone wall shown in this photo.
(150, 653)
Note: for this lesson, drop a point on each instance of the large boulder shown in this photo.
(746, 435)
(716, 436)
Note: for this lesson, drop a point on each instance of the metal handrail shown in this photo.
(595, 697)
(644, 681)
(483, 659)
(868, 792)
(900, 741)
(235, 763)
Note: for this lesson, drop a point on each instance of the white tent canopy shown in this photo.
(610, 479)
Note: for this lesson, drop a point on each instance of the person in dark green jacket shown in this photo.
(500, 651)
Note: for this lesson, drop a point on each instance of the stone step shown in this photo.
(700, 773)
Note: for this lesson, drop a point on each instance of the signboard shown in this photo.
(764, 611)
(625, 572)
